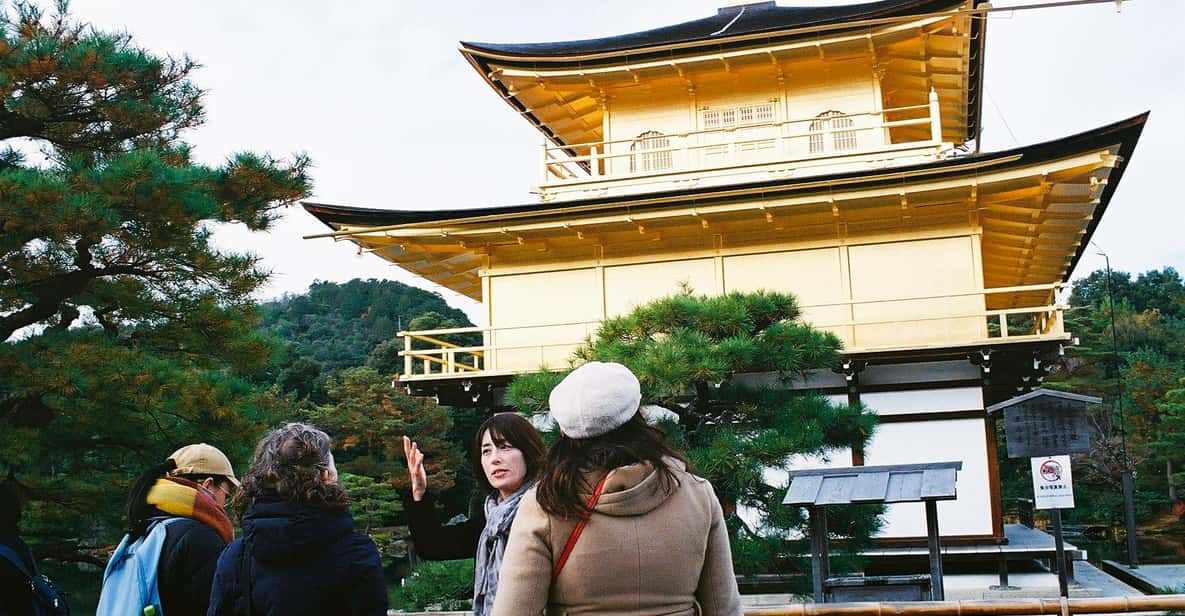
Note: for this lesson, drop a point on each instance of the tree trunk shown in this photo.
(1168, 473)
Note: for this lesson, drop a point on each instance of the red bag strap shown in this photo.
(588, 509)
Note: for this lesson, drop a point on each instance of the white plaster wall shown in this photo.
(937, 441)
(924, 400)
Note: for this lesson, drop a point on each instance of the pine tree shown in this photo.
(1169, 439)
(1146, 356)
(124, 333)
(368, 419)
(696, 356)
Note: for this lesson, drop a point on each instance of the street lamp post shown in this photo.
(1129, 506)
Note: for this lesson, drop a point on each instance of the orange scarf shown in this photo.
(182, 497)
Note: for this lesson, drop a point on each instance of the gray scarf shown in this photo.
(491, 546)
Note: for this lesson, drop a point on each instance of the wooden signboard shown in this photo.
(1045, 423)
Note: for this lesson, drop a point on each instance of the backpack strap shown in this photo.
(11, 556)
(588, 509)
(245, 572)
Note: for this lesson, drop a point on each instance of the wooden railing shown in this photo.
(1064, 607)
(445, 358)
(999, 607)
(797, 140)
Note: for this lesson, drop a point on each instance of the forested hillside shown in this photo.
(337, 326)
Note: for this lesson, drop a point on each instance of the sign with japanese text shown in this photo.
(1046, 426)
(1053, 487)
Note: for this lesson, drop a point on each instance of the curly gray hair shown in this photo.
(288, 463)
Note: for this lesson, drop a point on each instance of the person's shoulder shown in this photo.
(530, 512)
(529, 502)
(192, 531)
(183, 526)
(230, 554)
(695, 480)
(358, 548)
(695, 486)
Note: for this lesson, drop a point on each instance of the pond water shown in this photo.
(1153, 550)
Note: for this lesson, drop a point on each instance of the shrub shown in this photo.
(446, 585)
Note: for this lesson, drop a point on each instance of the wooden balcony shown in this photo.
(864, 325)
(743, 150)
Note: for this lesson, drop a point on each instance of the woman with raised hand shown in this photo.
(617, 524)
(299, 553)
(507, 456)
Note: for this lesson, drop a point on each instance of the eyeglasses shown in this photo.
(227, 489)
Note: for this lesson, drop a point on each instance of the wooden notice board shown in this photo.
(1045, 423)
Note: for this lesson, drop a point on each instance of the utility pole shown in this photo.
(1129, 506)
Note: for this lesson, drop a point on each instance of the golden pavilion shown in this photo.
(827, 151)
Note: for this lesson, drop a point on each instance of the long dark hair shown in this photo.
(288, 463)
(514, 430)
(138, 509)
(569, 459)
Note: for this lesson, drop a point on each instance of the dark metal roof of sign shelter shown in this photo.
(819, 488)
(1070, 399)
(898, 483)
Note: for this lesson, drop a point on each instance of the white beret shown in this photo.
(594, 399)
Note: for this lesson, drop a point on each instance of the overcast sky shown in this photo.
(393, 117)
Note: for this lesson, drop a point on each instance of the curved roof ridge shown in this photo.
(728, 22)
(1126, 132)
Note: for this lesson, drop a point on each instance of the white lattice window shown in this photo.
(838, 126)
(645, 158)
(728, 117)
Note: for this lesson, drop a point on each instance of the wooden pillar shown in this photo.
(936, 591)
(1002, 569)
(819, 564)
(407, 358)
(935, 118)
(852, 375)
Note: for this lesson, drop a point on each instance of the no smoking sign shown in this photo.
(1053, 487)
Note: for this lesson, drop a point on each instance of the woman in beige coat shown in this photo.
(616, 512)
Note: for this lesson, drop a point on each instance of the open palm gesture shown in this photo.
(415, 468)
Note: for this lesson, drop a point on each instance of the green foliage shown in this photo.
(444, 585)
(1160, 290)
(374, 504)
(464, 495)
(342, 326)
(1169, 441)
(125, 333)
(1146, 356)
(691, 354)
(368, 419)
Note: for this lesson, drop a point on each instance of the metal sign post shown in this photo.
(1053, 488)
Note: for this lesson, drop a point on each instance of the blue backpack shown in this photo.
(129, 583)
(48, 599)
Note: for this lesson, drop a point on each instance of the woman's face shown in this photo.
(504, 466)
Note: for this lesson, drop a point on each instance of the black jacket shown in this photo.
(186, 569)
(303, 561)
(15, 597)
(436, 541)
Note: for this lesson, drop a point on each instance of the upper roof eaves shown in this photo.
(728, 23)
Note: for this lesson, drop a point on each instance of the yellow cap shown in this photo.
(202, 459)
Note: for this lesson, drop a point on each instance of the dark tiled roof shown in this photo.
(757, 18)
(1125, 132)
